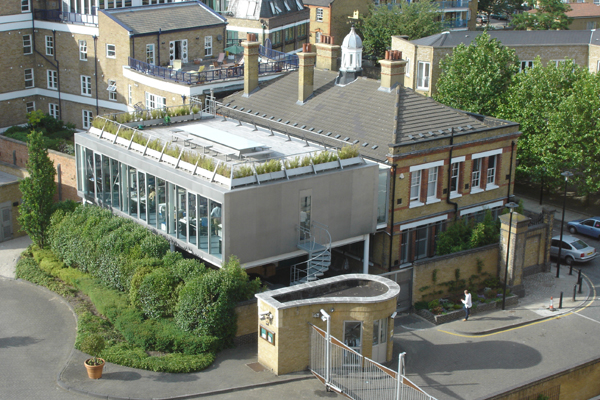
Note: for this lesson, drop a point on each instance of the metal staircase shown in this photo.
(316, 241)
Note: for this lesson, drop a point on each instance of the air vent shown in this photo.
(374, 147)
(227, 105)
(279, 120)
(365, 144)
(431, 133)
(469, 126)
(328, 134)
(234, 107)
(421, 135)
(264, 115)
(242, 109)
(320, 131)
(256, 113)
(303, 126)
(272, 117)
(311, 129)
(356, 141)
(411, 137)
(337, 136)
(287, 122)
(295, 124)
(249, 111)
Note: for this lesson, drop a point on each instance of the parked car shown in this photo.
(573, 249)
(589, 227)
(483, 18)
(500, 16)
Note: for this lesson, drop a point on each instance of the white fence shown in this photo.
(355, 376)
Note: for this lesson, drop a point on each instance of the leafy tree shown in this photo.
(549, 15)
(489, 7)
(415, 19)
(37, 192)
(558, 118)
(474, 77)
(486, 232)
(456, 238)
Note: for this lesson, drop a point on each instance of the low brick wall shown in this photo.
(247, 318)
(460, 314)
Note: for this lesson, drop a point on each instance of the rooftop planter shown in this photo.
(269, 170)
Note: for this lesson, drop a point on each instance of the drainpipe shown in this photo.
(450, 176)
(96, 71)
(512, 153)
(60, 107)
(391, 234)
(158, 46)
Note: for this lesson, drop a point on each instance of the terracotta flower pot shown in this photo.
(94, 371)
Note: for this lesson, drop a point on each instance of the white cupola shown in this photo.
(351, 66)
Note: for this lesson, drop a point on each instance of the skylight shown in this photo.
(300, 6)
(287, 7)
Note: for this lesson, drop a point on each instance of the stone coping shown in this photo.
(393, 290)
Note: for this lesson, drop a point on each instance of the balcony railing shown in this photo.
(68, 17)
(290, 59)
(208, 75)
(234, 42)
(453, 4)
(459, 23)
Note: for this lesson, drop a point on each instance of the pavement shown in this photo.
(235, 372)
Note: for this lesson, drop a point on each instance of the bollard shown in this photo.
(580, 281)
(571, 269)
(574, 292)
(560, 302)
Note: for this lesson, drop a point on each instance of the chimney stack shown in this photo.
(250, 46)
(328, 54)
(306, 76)
(392, 70)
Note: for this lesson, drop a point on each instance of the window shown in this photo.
(415, 186)
(455, 179)
(276, 38)
(491, 172)
(591, 25)
(319, 17)
(52, 77)
(423, 76)
(27, 47)
(407, 67)
(49, 46)
(150, 54)
(301, 31)
(525, 65)
(317, 37)
(598, 66)
(86, 121)
(111, 51)
(130, 95)
(289, 34)
(153, 101)
(476, 175)
(30, 107)
(53, 110)
(25, 7)
(86, 85)
(432, 184)
(557, 63)
(29, 83)
(82, 50)
(208, 46)
(112, 90)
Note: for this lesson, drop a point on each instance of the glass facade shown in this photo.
(152, 201)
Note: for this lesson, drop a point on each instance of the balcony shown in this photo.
(453, 24)
(453, 4)
(67, 17)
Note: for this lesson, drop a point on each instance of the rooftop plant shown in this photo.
(348, 152)
(224, 170)
(324, 157)
(297, 162)
(272, 165)
(243, 171)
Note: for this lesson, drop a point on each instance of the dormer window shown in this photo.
(299, 4)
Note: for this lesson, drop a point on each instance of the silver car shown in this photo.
(573, 249)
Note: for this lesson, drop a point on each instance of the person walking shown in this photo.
(467, 304)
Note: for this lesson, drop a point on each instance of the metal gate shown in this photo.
(403, 277)
(347, 372)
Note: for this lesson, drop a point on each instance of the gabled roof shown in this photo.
(256, 9)
(509, 38)
(319, 3)
(582, 10)
(166, 17)
(357, 112)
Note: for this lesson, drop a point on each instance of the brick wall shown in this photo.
(247, 317)
(67, 165)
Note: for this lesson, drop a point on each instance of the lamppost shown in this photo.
(511, 206)
(567, 175)
(542, 185)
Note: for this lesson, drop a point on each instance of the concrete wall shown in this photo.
(426, 289)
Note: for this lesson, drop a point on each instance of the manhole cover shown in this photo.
(256, 367)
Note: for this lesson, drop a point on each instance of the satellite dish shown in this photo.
(219, 37)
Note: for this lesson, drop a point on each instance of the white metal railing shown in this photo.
(358, 377)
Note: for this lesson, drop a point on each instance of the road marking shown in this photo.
(586, 317)
(592, 298)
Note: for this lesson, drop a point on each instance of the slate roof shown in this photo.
(318, 3)
(356, 112)
(255, 9)
(509, 38)
(167, 17)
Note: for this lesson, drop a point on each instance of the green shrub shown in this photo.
(243, 171)
(269, 166)
(136, 282)
(348, 152)
(456, 238)
(156, 293)
(224, 170)
(186, 270)
(93, 345)
(421, 305)
(433, 304)
(324, 157)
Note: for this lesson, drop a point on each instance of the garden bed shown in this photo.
(460, 314)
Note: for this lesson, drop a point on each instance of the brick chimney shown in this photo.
(328, 54)
(306, 74)
(392, 70)
(250, 46)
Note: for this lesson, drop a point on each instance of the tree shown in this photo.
(550, 15)
(37, 191)
(498, 6)
(415, 20)
(558, 113)
(474, 77)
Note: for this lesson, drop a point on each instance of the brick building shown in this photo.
(423, 55)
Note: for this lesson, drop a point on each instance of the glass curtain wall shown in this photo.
(106, 180)
(142, 195)
(115, 183)
(203, 225)
(161, 187)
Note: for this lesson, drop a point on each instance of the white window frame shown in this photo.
(83, 56)
(86, 85)
(112, 90)
(111, 51)
(415, 188)
(130, 95)
(27, 45)
(319, 15)
(154, 102)
(432, 182)
(423, 75)
(52, 79)
(317, 37)
(53, 110)
(150, 55)
(598, 65)
(49, 45)
(86, 119)
(25, 6)
(208, 46)
(407, 67)
(491, 173)
(523, 65)
(30, 107)
(29, 78)
(456, 165)
(476, 176)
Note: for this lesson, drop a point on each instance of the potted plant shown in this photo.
(93, 345)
